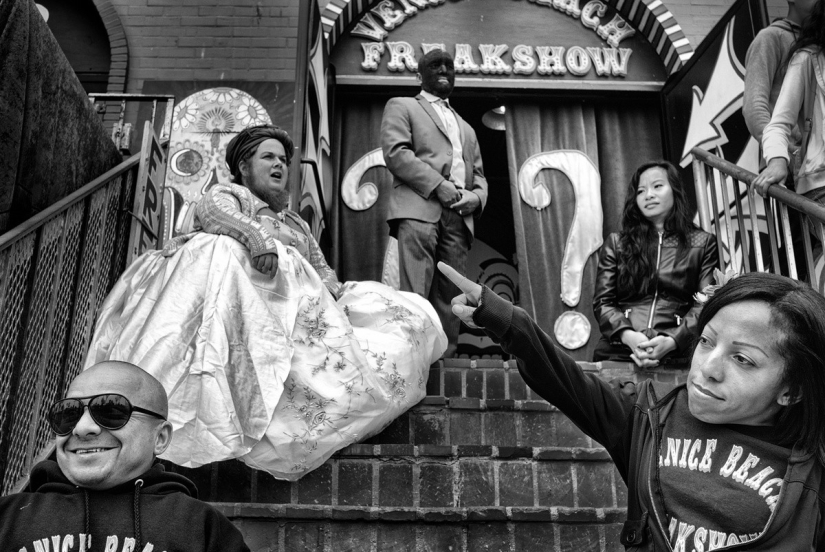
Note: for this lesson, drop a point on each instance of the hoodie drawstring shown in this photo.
(138, 539)
(86, 526)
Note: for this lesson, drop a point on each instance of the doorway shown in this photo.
(518, 252)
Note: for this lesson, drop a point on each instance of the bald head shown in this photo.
(95, 457)
(124, 378)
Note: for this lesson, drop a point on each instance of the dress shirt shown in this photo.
(448, 119)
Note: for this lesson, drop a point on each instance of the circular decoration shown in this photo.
(572, 330)
(186, 162)
(251, 113)
(185, 114)
(216, 120)
(220, 95)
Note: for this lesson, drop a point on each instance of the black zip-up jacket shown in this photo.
(627, 419)
(668, 308)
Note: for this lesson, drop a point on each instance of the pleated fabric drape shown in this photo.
(361, 233)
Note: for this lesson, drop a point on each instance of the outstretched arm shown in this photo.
(600, 409)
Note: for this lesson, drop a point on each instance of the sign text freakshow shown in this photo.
(526, 60)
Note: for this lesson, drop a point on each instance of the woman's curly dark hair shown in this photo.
(638, 239)
(813, 30)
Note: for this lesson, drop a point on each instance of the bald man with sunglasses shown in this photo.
(106, 491)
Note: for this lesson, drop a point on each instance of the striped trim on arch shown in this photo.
(650, 18)
(653, 20)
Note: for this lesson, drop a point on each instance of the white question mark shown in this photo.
(572, 329)
(361, 198)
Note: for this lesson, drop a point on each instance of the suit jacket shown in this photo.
(418, 153)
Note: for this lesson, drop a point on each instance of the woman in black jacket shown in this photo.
(732, 459)
(650, 270)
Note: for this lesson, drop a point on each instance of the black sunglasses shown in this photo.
(109, 411)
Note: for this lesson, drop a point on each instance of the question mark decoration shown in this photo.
(571, 329)
(357, 196)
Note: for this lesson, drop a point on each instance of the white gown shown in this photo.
(274, 372)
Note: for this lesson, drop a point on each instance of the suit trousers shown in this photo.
(420, 246)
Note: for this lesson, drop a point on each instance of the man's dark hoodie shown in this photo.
(153, 513)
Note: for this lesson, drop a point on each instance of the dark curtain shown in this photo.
(361, 235)
(629, 134)
(615, 136)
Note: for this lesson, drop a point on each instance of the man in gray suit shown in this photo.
(438, 186)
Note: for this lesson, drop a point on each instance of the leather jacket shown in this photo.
(668, 308)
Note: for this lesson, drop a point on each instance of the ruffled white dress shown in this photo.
(273, 371)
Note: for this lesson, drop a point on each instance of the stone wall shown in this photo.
(51, 140)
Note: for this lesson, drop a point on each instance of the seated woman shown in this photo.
(259, 359)
(734, 456)
(649, 272)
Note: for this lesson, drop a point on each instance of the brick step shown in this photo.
(491, 422)
(428, 476)
(354, 529)
(500, 379)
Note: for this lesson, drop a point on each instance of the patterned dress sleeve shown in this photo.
(316, 257)
(229, 210)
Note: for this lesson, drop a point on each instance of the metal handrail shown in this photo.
(55, 270)
(723, 190)
(32, 224)
(118, 128)
(780, 193)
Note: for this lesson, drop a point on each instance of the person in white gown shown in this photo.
(264, 354)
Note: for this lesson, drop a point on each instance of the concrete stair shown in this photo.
(479, 464)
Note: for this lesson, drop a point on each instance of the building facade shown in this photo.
(535, 78)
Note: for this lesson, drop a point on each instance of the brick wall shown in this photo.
(480, 464)
(209, 39)
(255, 40)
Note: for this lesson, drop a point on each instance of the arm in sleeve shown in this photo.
(611, 319)
(684, 333)
(600, 409)
(228, 210)
(222, 535)
(479, 181)
(399, 151)
(777, 134)
(318, 261)
(760, 69)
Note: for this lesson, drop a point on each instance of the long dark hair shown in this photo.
(813, 30)
(638, 238)
(797, 313)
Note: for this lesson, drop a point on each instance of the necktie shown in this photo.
(457, 172)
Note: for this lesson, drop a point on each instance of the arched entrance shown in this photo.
(91, 36)
(651, 19)
(580, 87)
